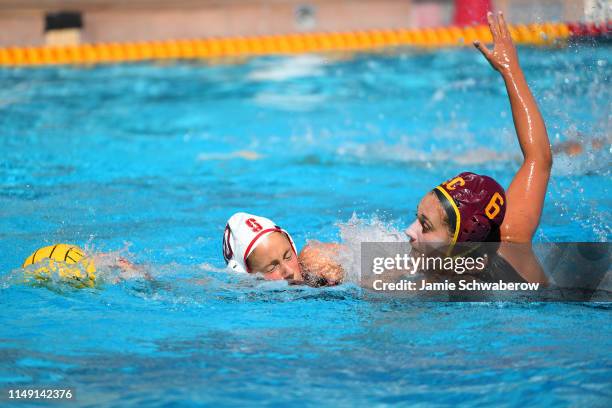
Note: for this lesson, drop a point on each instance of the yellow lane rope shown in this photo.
(534, 34)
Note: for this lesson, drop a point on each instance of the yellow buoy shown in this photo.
(69, 262)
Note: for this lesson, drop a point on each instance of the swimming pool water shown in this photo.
(156, 157)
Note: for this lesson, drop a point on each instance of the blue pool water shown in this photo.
(148, 161)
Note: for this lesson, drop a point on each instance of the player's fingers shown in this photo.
(483, 49)
(493, 26)
(503, 26)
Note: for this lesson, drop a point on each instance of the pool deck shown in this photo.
(23, 21)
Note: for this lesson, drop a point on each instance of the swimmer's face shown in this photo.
(275, 259)
(430, 226)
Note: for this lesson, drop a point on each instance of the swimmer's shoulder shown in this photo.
(516, 262)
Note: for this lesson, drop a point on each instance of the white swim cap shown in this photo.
(243, 233)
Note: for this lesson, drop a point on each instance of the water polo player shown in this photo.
(474, 208)
(255, 244)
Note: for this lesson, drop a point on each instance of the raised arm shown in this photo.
(527, 191)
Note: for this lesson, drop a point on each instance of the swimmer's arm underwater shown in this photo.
(527, 191)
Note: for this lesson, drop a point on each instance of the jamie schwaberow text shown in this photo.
(467, 285)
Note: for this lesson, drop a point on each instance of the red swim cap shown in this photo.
(475, 206)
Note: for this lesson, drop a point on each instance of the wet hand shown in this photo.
(503, 57)
(125, 264)
(319, 265)
(131, 270)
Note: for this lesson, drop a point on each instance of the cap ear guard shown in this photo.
(228, 252)
(235, 266)
(476, 228)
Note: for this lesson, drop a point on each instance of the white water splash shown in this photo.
(288, 69)
(208, 267)
(116, 266)
(239, 154)
(404, 154)
(357, 230)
